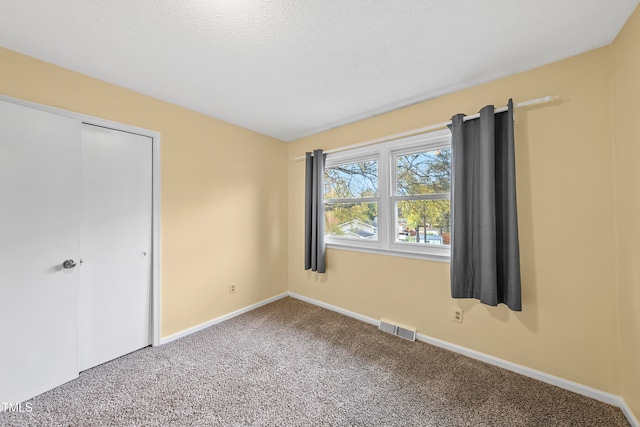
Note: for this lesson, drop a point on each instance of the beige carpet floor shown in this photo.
(290, 363)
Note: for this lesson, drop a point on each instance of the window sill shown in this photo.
(391, 252)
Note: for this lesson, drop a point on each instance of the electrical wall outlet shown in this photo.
(457, 315)
(232, 288)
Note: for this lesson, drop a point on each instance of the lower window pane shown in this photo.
(352, 220)
(424, 222)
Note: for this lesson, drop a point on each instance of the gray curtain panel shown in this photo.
(485, 254)
(314, 248)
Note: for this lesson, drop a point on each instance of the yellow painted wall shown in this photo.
(564, 154)
(626, 68)
(223, 205)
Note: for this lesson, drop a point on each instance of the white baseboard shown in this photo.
(584, 390)
(217, 320)
(340, 310)
(629, 413)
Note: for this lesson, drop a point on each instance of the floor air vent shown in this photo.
(398, 330)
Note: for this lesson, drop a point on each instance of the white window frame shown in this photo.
(386, 153)
(355, 156)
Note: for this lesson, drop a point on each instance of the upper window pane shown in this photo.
(351, 180)
(425, 172)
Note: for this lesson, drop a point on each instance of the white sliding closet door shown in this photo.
(115, 243)
(76, 245)
(39, 207)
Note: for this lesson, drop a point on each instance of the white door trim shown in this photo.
(155, 136)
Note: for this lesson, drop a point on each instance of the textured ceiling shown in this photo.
(291, 68)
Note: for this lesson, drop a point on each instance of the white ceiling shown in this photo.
(291, 68)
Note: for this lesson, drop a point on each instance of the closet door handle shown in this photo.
(69, 264)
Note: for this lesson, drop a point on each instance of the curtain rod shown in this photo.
(442, 125)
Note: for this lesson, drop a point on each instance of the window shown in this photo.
(351, 200)
(391, 198)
